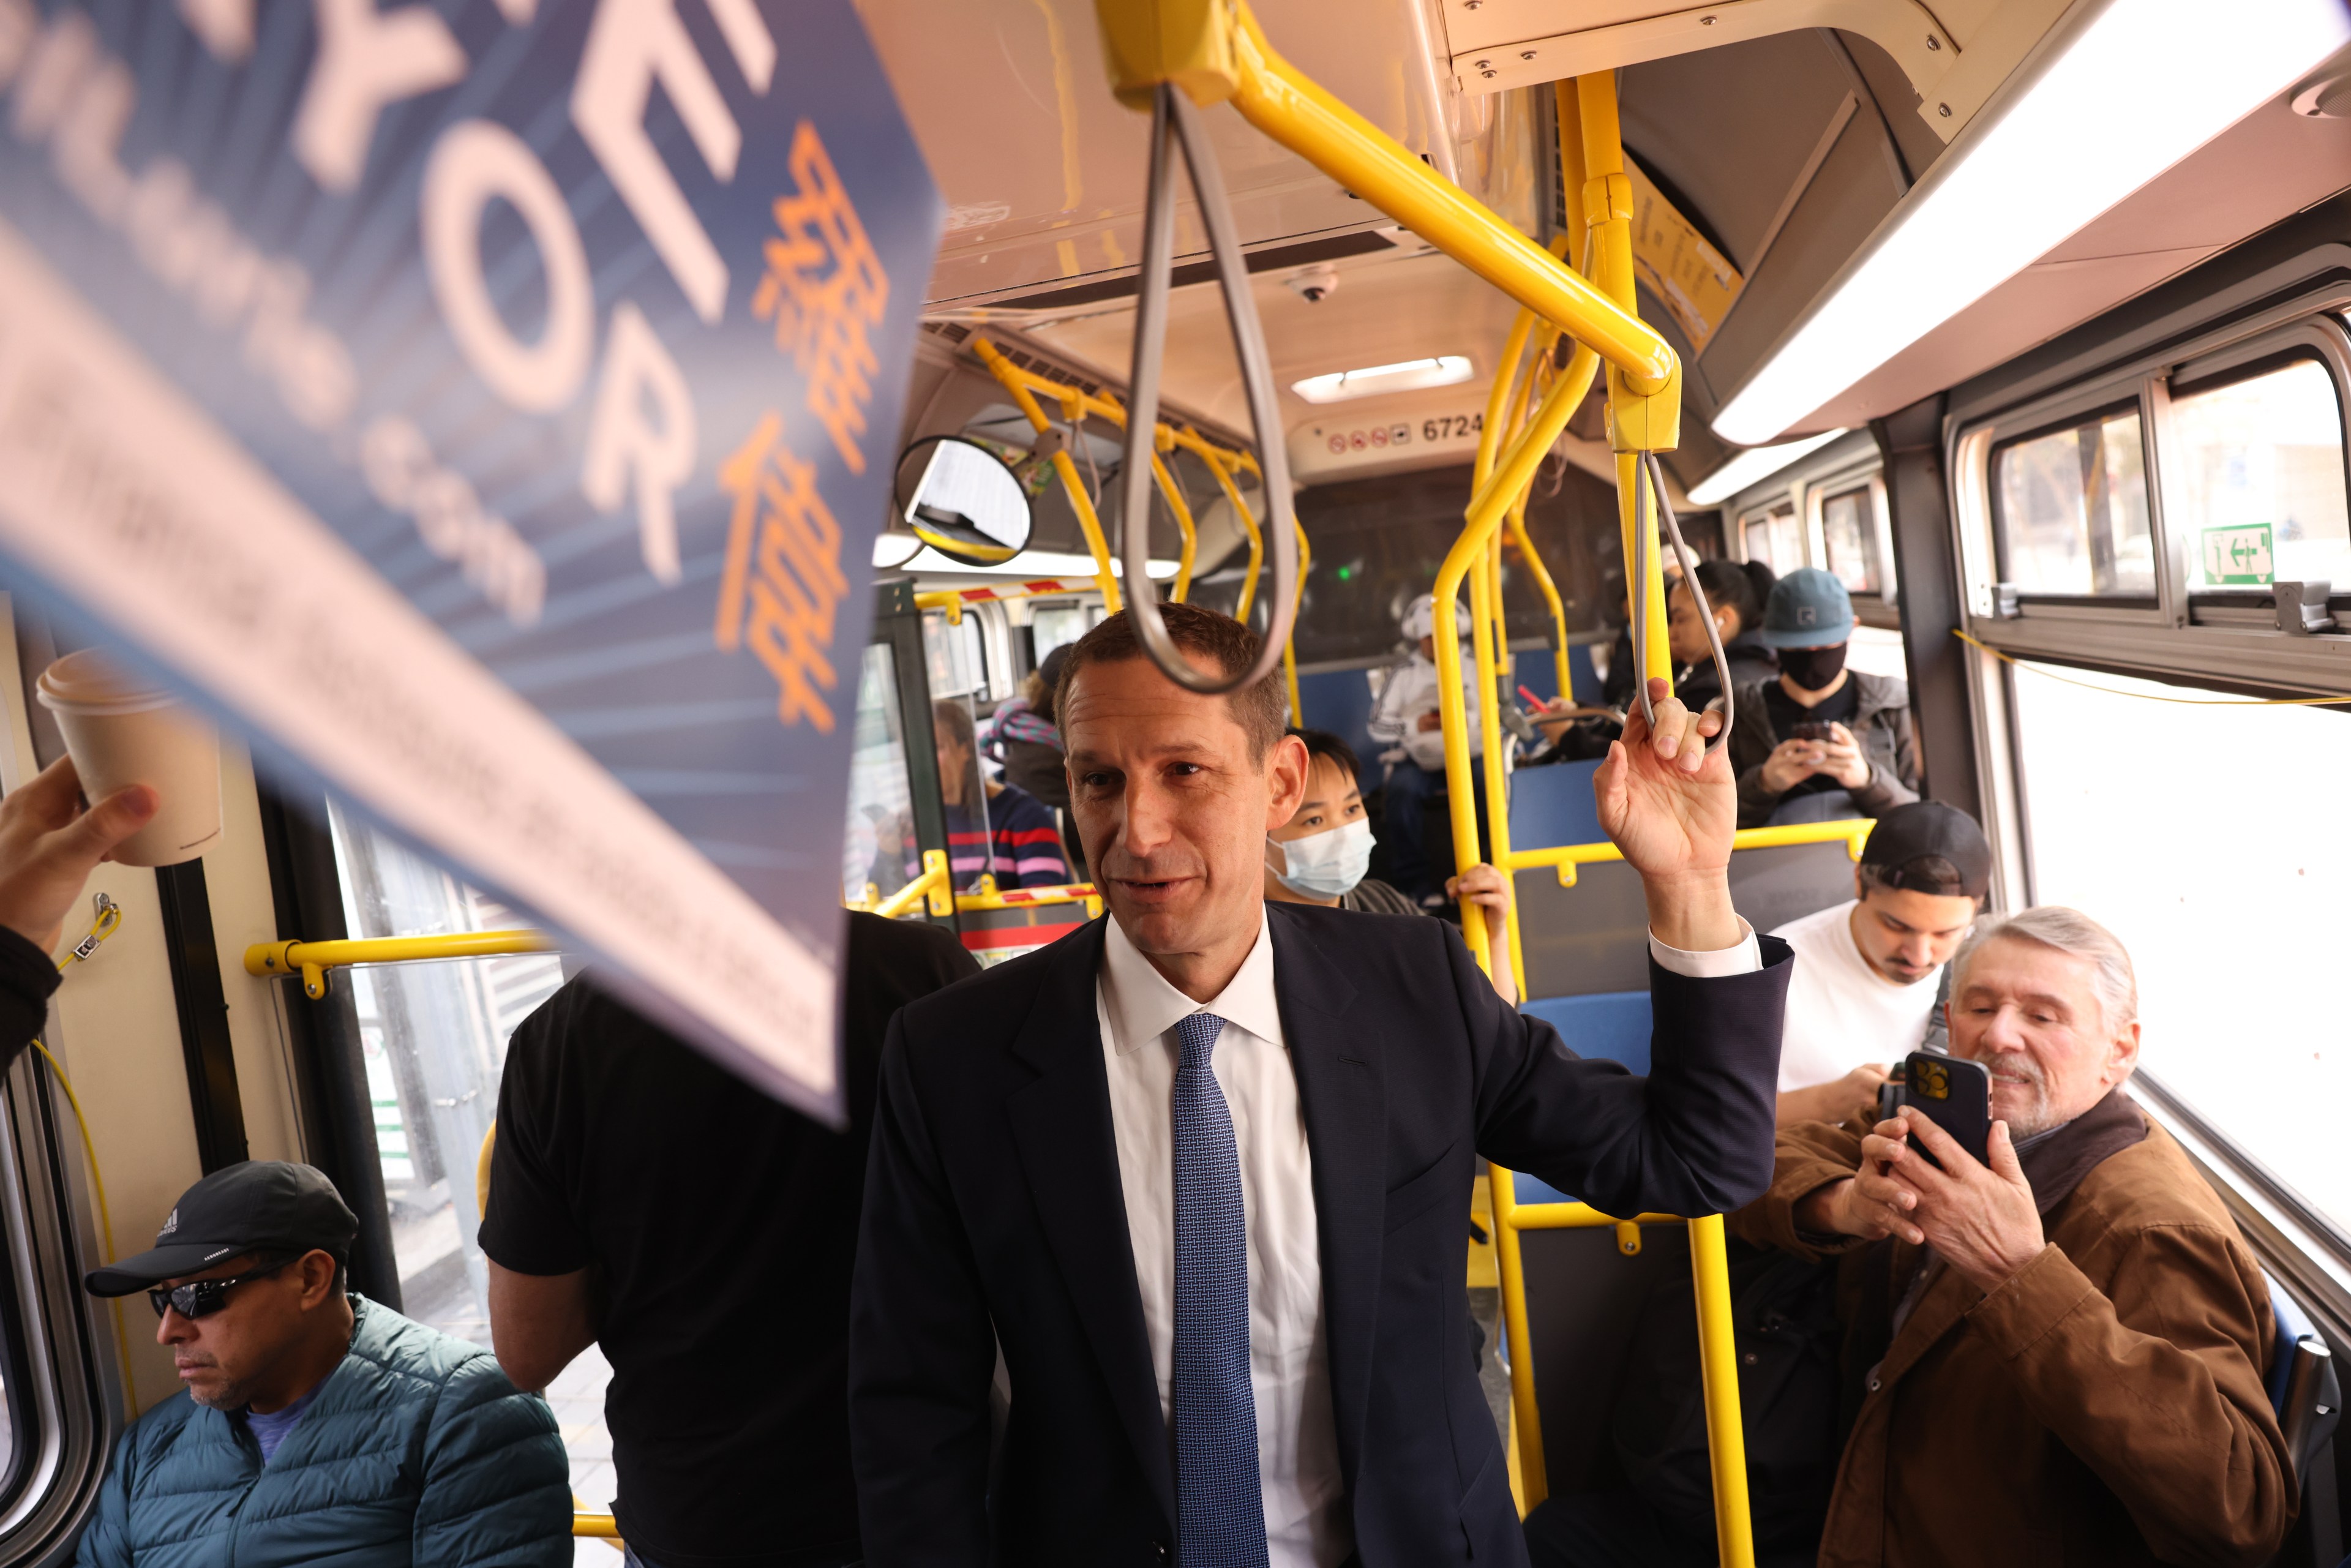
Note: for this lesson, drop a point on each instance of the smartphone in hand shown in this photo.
(1956, 1096)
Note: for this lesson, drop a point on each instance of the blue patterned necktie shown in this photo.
(1218, 1502)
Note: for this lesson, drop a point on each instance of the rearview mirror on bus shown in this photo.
(962, 500)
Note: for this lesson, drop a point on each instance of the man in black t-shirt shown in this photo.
(643, 1199)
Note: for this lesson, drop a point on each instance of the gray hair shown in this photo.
(2068, 931)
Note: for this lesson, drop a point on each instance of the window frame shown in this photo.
(2051, 421)
(2321, 340)
(1880, 608)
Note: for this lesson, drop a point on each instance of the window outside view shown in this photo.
(2256, 480)
(2071, 506)
(2139, 815)
(434, 1036)
(1849, 533)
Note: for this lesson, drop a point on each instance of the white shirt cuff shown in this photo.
(1743, 958)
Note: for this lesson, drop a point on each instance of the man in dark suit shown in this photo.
(1201, 1170)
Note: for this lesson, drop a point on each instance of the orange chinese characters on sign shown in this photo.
(826, 291)
(783, 580)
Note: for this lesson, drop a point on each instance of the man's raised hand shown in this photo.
(49, 845)
(1672, 806)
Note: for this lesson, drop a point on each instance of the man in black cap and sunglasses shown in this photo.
(316, 1424)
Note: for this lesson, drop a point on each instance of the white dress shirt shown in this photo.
(1306, 1517)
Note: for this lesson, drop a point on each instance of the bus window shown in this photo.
(1849, 535)
(2069, 510)
(1055, 625)
(2225, 881)
(957, 652)
(879, 848)
(2259, 462)
(1776, 538)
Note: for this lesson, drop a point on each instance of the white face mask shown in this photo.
(1326, 864)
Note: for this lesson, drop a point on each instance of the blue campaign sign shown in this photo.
(487, 406)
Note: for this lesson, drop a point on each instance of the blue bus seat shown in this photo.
(1552, 806)
(1341, 702)
(1613, 1024)
(2292, 1324)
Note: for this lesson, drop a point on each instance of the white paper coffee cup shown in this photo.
(121, 730)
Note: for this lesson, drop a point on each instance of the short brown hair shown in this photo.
(1261, 710)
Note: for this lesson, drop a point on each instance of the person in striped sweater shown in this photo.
(1000, 828)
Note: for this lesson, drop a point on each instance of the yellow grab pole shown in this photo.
(1517, 523)
(1297, 597)
(1288, 107)
(1005, 371)
(1183, 510)
(1509, 1265)
(1717, 1348)
(1209, 456)
(1484, 515)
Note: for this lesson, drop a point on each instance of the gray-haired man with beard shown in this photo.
(313, 1424)
(2074, 1330)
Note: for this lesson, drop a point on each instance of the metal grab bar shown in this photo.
(1174, 119)
(594, 1526)
(930, 889)
(953, 600)
(311, 960)
(987, 897)
(1853, 830)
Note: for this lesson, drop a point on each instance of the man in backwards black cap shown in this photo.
(316, 1424)
(1871, 972)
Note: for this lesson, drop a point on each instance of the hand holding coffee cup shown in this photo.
(49, 845)
(121, 730)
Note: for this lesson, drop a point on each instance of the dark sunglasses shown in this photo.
(205, 1296)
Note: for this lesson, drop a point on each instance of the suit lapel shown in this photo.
(1068, 1152)
(1342, 1091)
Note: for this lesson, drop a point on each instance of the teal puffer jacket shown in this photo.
(417, 1452)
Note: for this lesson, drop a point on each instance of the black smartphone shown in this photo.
(1811, 730)
(1956, 1096)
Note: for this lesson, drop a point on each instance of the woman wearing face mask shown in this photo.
(1820, 741)
(1320, 854)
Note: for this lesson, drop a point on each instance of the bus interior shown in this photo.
(2028, 320)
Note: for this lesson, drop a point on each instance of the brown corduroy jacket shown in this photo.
(2104, 1405)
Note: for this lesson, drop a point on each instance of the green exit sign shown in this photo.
(2238, 555)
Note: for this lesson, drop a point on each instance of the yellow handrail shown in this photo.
(595, 1526)
(953, 600)
(931, 889)
(311, 960)
(1077, 403)
(1297, 598)
(989, 898)
(1853, 830)
(1215, 458)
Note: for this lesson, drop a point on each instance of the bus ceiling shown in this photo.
(1781, 150)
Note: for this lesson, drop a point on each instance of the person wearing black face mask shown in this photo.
(1820, 741)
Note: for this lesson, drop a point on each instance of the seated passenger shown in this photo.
(1821, 741)
(1406, 723)
(1736, 593)
(1320, 855)
(1869, 971)
(645, 1199)
(2065, 1350)
(998, 829)
(402, 1445)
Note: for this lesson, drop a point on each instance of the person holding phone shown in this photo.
(1820, 741)
(2064, 1341)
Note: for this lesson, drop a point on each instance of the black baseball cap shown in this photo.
(259, 1206)
(1924, 827)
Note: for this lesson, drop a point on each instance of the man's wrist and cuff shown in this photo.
(1742, 957)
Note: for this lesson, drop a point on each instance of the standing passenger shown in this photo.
(998, 829)
(645, 1199)
(1199, 1173)
(313, 1425)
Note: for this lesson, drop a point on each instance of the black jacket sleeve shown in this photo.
(1693, 1137)
(922, 1350)
(27, 980)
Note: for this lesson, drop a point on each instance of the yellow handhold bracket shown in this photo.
(311, 960)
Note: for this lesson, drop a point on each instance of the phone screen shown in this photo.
(1956, 1096)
